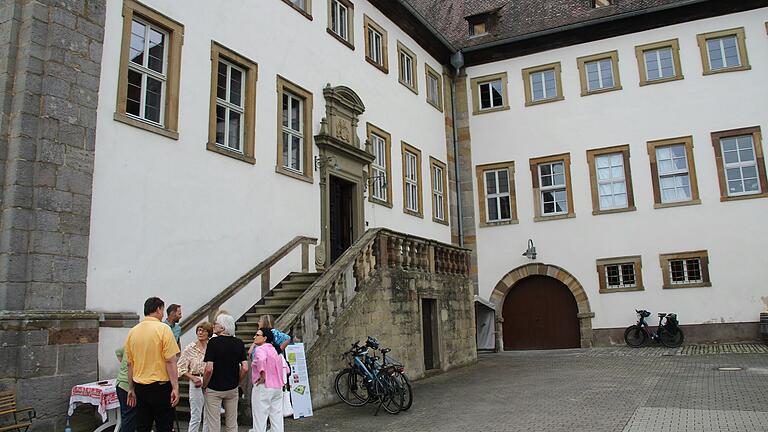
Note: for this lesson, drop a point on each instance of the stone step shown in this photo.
(283, 294)
(293, 285)
(310, 276)
(257, 311)
(277, 302)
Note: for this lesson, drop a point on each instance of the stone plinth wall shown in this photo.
(43, 355)
(694, 334)
(388, 306)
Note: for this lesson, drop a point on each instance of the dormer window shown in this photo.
(603, 3)
(482, 23)
(478, 28)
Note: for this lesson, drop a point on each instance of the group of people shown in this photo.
(151, 364)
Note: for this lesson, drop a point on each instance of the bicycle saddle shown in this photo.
(662, 315)
(385, 350)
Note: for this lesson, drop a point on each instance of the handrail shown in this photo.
(312, 314)
(331, 274)
(209, 308)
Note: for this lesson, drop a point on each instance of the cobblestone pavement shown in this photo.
(602, 389)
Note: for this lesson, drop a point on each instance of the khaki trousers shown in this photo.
(213, 402)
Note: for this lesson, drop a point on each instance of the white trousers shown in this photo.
(267, 402)
(196, 408)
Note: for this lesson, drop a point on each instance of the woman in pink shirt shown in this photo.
(267, 372)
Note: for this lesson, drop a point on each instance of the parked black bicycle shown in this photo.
(668, 332)
(366, 380)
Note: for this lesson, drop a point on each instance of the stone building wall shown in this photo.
(389, 308)
(50, 63)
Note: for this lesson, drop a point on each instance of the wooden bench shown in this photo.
(21, 418)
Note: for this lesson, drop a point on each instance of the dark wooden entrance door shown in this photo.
(430, 337)
(540, 313)
(340, 215)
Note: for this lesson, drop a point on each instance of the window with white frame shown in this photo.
(339, 19)
(553, 189)
(293, 132)
(497, 195)
(411, 177)
(491, 94)
(723, 52)
(674, 179)
(599, 74)
(611, 182)
(620, 275)
(685, 271)
(147, 72)
(230, 108)
(659, 63)
(375, 46)
(438, 194)
(379, 168)
(433, 89)
(406, 69)
(740, 165)
(543, 85)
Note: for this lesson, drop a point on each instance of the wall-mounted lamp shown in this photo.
(530, 253)
(326, 160)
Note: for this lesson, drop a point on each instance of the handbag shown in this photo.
(287, 407)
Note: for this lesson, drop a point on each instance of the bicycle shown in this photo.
(397, 371)
(668, 334)
(364, 382)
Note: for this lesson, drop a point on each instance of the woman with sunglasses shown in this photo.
(267, 372)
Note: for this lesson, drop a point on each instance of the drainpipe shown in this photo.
(457, 61)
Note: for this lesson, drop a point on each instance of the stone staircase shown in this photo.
(280, 298)
(274, 303)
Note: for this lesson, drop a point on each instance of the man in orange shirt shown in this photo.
(152, 375)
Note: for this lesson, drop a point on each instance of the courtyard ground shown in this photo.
(601, 389)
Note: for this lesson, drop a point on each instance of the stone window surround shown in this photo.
(282, 86)
(477, 81)
(436, 163)
(384, 66)
(306, 12)
(591, 155)
(402, 49)
(407, 148)
(350, 42)
(534, 164)
(249, 103)
(640, 50)
(759, 160)
(688, 142)
(176, 38)
(703, 257)
(541, 68)
(740, 43)
(581, 64)
(481, 194)
(635, 260)
(428, 70)
(371, 129)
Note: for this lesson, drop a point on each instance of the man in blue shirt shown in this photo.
(174, 316)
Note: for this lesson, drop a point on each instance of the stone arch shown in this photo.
(509, 280)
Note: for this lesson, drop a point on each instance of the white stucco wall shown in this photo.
(172, 219)
(733, 233)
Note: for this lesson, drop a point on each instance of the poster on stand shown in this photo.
(299, 381)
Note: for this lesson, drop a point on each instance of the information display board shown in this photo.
(301, 398)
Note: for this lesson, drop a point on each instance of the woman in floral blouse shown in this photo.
(191, 366)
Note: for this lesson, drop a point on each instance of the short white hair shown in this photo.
(227, 322)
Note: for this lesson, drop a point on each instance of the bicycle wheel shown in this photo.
(350, 387)
(671, 338)
(391, 398)
(635, 336)
(401, 380)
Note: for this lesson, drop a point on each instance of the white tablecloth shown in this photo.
(103, 396)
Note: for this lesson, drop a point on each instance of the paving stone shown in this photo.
(615, 389)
